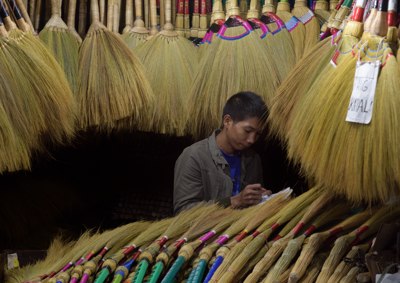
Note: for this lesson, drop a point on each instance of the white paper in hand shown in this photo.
(362, 98)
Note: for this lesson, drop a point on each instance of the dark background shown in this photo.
(102, 181)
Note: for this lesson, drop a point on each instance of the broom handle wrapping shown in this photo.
(392, 13)
(138, 10)
(94, 11)
(25, 14)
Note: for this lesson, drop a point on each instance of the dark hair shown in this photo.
(244, 105)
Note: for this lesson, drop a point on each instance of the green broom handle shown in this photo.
(141, 271)
(104, 273)
(173, 271)
(199, 272)
(155, 274)
(191, 275)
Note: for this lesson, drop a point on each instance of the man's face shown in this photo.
(243, 134)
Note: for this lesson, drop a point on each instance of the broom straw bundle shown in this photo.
(42, 88)
(315, 241)
(170, 61)
(112, 84)
(314, 269)
(344, 243)
(136, 35)
(321, 10)
(294, 245)
(62, 42)
(356, 253)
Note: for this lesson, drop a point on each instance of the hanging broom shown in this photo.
(48, 98)
(238, 52)
(58, 38)
(112, 84)
(170, 61)
(295, 27)
(280, 41)
(350, 172)
(307, 17)
(138, 34)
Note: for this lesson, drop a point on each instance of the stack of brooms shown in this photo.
(281, 240)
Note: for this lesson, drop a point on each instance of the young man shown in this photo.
(223, 168)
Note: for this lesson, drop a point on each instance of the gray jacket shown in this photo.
(203, 174)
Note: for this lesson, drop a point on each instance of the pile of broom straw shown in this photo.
(314, 237)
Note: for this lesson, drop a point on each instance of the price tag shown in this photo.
(362, 98)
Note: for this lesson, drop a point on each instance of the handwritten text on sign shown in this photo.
(362, 98)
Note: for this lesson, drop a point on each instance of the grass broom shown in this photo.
(321, 11)
(138, 34)
(294, 245)
(307, 17)
(295, 27)
(112, 84)
(355, 254)
(366, 144)
(287, 213)
(345, 242)
(239, 50)
(57, 37)
(170, 61)
(315, 241)
(48, 96)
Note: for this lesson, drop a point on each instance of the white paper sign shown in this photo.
(362, 98)
(12, 261)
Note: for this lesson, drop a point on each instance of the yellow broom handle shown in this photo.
(116, 15)
(168, 12)
(110, 14)
(71, 14)
(129, 13)
(139, 12)
(94, 11)
(56, 7)
(22, 8)
(102, 11)
(153, 17)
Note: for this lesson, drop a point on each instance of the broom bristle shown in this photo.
(112, 84)
(314, 269)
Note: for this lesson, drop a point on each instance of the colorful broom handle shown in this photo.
(199, 272)
(156, 272)
(392, 13)
(217, 263)
(173, 271)
(141, 271)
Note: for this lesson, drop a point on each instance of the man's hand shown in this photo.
(250, 195)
